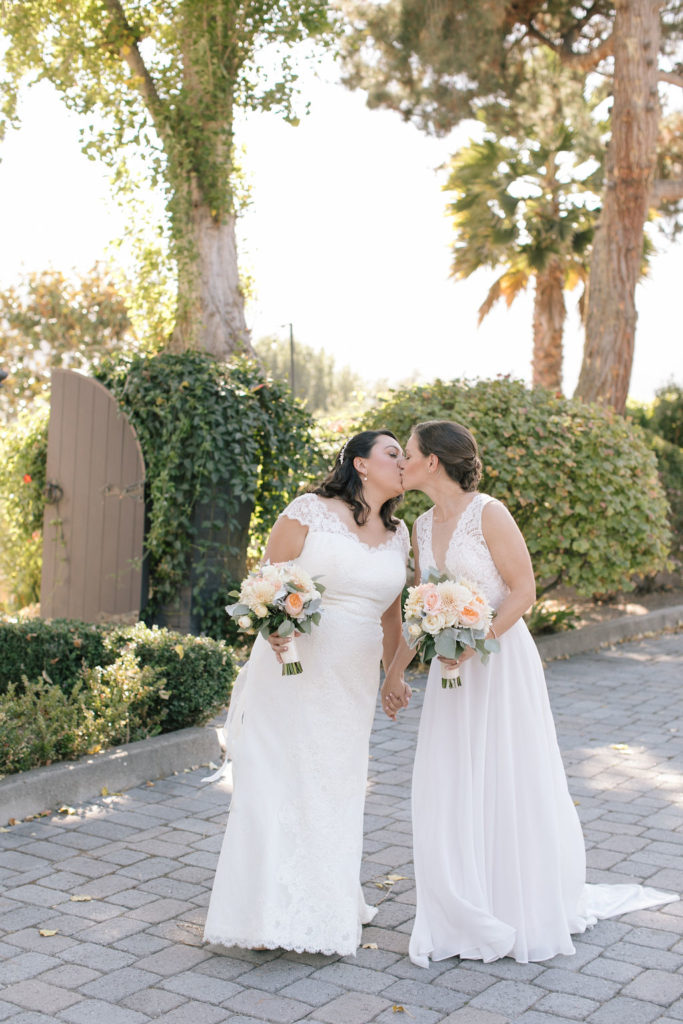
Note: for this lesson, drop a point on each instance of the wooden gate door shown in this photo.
(93, 528)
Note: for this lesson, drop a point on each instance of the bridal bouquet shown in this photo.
(278, 598)
(443, 617)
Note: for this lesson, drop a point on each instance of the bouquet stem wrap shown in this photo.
(291, 666)
(450, 677)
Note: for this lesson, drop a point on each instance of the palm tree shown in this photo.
(526, 200)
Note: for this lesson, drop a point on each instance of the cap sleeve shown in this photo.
(305, 509)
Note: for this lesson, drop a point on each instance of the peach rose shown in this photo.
(294, 605)
(431, 600)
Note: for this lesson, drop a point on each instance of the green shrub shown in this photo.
(120, 703)
(68, 688)
(670, 465)
(38, 724)
(55, 650)
(580, 481)
(197, 671)
(664, 415)
(23, 455)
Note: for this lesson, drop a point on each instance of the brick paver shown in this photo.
(131, 952)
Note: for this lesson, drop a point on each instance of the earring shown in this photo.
(365, 478)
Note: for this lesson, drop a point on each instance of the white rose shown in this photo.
(244, 622)
(434, 622)
(260, 610)
(414, 629)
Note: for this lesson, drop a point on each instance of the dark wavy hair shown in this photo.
(344, 481)
(455, 449)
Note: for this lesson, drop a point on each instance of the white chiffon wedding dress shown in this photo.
(288, 872)
(499, 853)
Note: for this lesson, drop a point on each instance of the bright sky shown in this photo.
(346, 239)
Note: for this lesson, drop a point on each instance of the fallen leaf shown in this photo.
(81, 899)
(47, 932)
(369, 945)
(620, 746)
(65, 809)
(149, 783)
(399, 1009)
(395, 878)
(104, 791)
(12, 821)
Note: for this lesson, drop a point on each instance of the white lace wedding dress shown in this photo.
(288, 872)
(499, 853)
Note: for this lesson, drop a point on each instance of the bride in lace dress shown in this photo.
(288, 872)
(499, 853)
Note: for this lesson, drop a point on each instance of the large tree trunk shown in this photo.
(549, 316)
(210, 309)
(618, 248)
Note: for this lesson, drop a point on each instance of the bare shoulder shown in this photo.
(496, 519)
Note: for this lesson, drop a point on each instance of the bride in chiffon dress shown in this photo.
(288, 872)
(499, 854)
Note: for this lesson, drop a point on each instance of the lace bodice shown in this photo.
(467, 554)
(315, 512)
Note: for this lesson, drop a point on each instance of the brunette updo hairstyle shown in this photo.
(455, 449)
(344, 481)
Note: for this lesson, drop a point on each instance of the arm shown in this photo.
(511, 557)
(391, 632)
(285, 544)
(395, 692)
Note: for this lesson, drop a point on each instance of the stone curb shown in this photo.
(604, 634)
(76, 782)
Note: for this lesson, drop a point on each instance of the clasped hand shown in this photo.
(395, 695)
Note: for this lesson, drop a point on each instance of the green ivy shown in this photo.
(218, 435)
(23, 457)
(581, 481)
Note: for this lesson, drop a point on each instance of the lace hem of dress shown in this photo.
(281, 943)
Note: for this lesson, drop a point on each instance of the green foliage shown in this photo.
(579, 480)
(38, 725)
(664, 416)
(158, 85)
(436, 63)
(23, 454)
(49, 320)
(663, 423)
(215, 436)
(67, 688)
(197, 672)
(318, 384)
(546, 617)
(54, 650)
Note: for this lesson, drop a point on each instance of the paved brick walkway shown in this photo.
(131, 952)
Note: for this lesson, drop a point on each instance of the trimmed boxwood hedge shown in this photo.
(69, 688)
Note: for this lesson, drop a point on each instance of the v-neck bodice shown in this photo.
(467, 554)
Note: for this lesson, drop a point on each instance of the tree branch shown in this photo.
(130, 53)
(671, 77)
(666, 190)
(579, 61)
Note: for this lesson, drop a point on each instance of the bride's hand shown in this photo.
(281, 643)
(452, 663)
(395, 695)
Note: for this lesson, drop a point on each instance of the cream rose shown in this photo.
(434, 622)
